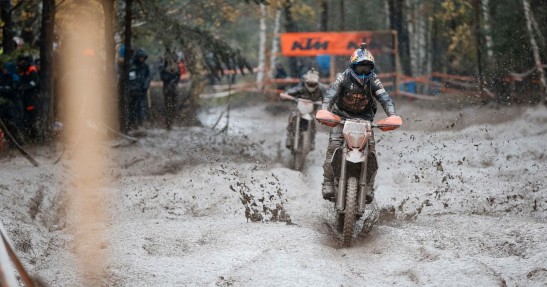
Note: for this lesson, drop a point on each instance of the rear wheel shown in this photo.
(349, 212)
(339, 222)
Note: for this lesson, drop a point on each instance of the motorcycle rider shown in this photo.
(309, 89)
(351, 95)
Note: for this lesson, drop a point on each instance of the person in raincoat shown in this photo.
(139, 82)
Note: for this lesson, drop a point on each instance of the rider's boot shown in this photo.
(290, 132)
(328, 190)
(289, 141)
(370, 196)
(328, 174)
(312, 141)
(312, 136)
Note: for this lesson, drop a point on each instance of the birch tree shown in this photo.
(418, 32)
(485, 4)
(275, 42)
(398, 23)
(261, 48)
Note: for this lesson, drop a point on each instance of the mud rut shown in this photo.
(458, 204)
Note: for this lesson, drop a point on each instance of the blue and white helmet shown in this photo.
(361, 56)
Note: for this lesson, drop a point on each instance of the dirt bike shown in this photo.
(349, 163)
(303, 131)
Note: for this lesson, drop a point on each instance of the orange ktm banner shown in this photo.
(331, 43)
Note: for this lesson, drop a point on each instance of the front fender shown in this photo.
(355, 156)
(307, 117)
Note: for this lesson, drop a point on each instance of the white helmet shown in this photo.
(311, 80)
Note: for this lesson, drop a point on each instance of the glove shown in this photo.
(392, 122)
(327, 118)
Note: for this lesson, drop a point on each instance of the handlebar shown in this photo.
(286, 96)
(329, 119)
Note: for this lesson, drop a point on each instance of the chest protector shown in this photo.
(355, 98)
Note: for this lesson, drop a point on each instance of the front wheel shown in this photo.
(299, 158)
(349, 211)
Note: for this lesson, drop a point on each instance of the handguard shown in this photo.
(390, 123)
(327, 118)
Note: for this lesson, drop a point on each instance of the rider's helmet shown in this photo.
(361, 57)
(311, 80)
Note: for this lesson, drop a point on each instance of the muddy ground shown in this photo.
(461, 195)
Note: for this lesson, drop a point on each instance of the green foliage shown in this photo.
(25, 50)
(455, 18)
(179, 35)
(359, 15)
(512, 52)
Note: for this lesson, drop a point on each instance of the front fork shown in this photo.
(299, 146)
(296, 134)
(363, 187)
(341, 196)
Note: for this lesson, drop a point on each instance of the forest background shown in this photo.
(500, 44)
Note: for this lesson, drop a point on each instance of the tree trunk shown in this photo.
(419, 33)
(124, 75)
(342, 23)
(414, 34)
(46, 67)
(290, 26)
(535, 49)
(478, 42)
(538, 31)
(397, 22)
(261, 48)
(485, 4)
(428, 53)
(7, 30)
(324, 18)
(110, 50)
(275, 42)
(387, 14)
(340, 62)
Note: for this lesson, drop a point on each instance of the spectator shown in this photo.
(10, 103)
(301, 69)
(139, 82)
(232, 71)
(280, 74)
(211, 64)
(120, 54)
(182, 69)
(29, 93)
